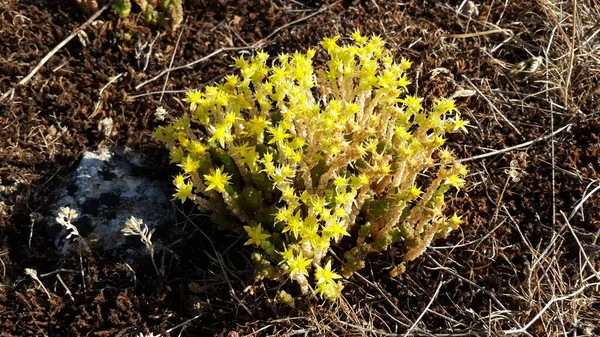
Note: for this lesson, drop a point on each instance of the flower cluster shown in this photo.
(64, 218)
(308, 162)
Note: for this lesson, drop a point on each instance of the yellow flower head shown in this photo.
(455, 181)
(298, 264)
(415, 191)
(189, 165)
(184, 191)
(460, 124)
(456, 221)
(217, 180)
(256, 234)
(326, 274)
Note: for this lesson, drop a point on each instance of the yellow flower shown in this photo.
(361, 180)
(294, 224)
(179, 180)
(340, 198)
(217, 180)
(456, 221)
(177, 155)
(183, 191)
(287, 192)
(415, 192)
(402, 133)
(360, 40)
(385, 169)
(330, 290)
(446, 156)
(340, 212)
(287, 255)
(296, 157)
(256, 234)
(317, 204)
(189, 165)
(298, 264)
(297, 143)
(278, 133)
(463, 170)
(197, 148)
(446, 105)
(413, 103)
(403, 82)
(405, 64)
(455, 181)
(268, 163)
(326, 274)
(439, 140)
(284, 214)
(330, 43)
(220, 134)
(336, 230)
(230, 118)
(460, 124)
(257, 125)
(193, 96)
(341, 182)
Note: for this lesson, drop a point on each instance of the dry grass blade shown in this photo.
(412, 327)
(34, 275)
(583, 200)
(548, 305)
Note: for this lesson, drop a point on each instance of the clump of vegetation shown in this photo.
(307, 163)
(165, 13)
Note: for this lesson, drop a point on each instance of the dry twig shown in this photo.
(55, 50)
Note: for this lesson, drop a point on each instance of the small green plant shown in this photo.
(122, 7)
(311, 163)
(166, 13)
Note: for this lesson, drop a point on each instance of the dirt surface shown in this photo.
(517, 264)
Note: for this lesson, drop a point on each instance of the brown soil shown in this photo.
(515, 254)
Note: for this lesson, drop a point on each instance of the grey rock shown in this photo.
(106, 191)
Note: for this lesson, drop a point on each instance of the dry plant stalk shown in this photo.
(34, 275)
(64, 218)
(133, 226)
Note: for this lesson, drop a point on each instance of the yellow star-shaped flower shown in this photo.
(298, 264)
(184, 191)
(217, 180)
(189, 164)
(455, 181)
(460, 124)
(326, 274)
(256, 234)
(456, 221)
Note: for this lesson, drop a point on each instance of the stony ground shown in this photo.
(525, 73)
